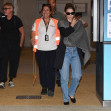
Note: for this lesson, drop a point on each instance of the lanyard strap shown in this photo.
(46, 25)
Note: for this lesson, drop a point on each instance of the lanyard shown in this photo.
(46, 25)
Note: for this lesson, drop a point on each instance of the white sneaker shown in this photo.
(10, 84)
(2, 85)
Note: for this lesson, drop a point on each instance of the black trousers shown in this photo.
(0, 63)
(0, 56)
(10, 54)
(46, 61)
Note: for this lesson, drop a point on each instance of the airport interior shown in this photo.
(90, 94)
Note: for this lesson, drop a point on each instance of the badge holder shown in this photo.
(46, 37)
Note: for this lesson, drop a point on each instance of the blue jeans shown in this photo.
(71, 58)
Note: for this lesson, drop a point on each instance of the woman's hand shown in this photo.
(33, 41)
(74, 21)
(33, 38)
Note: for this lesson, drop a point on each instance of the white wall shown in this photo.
(1, 5)
(27, 12)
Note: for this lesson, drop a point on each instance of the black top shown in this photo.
(66, 31)
(10, 28)
(1, 14)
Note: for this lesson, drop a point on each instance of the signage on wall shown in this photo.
(80, 7)
(107, 20)
(109, 25)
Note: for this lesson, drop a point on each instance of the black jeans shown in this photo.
(10, 54)
(46, 61)
(0, 54)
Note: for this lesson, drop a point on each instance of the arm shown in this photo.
(85, 25)
(33, 37)
(67, 31)
(33, 33)
(0, 23)
(22, 36)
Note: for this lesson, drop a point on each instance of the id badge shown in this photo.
(46, 38)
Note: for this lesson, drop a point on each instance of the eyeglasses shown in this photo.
(6, 8)
(68, 13)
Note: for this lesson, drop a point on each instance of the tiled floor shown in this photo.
(86, 92)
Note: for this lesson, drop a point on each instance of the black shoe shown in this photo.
(66, 103)
(44, 91)
(58, 83)
(73, 100)
(50, 93)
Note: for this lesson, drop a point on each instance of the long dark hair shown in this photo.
(69, 6)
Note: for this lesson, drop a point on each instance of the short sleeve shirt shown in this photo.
(10, 28)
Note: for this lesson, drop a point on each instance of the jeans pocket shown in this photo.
(67, 49)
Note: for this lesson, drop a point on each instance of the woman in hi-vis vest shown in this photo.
(45, 37)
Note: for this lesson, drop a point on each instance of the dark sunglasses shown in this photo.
(6, 8)
(68, 13)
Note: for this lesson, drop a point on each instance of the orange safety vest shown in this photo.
(36, 36)
(36, 39)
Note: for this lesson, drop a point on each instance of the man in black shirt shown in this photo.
(1, 14)
(12, 39)
(59, 16)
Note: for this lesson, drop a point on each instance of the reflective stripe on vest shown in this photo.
(36, 34)
(57, 31)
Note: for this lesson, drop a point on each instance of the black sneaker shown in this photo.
(2, 85)
(50, 93)
(44, 91)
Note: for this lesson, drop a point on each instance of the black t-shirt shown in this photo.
(1, 14)
(10, 28)
(0, 18)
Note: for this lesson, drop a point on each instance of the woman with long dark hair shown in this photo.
(73, 42)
